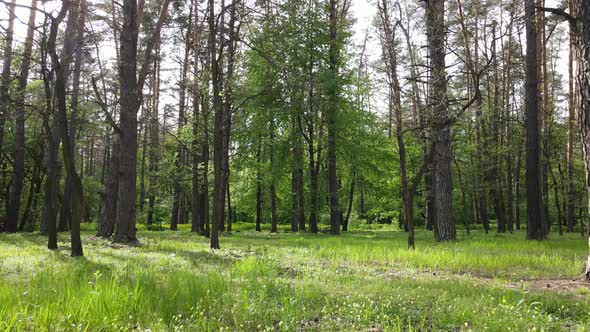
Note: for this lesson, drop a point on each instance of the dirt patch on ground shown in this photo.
(577, 286)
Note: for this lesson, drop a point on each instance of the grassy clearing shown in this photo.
(362, 280)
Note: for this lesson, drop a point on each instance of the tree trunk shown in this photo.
(496, 141)
(581, 11)
(200, 182)
(178, 193)
(154, 127)
(331, 117)
(4, 97)
(296, 172)
(271, 151)
(106, 225)
(74, 203)
(517, 188)
(508, 92)
(53, 131)
(229, 207)
(144, 125)
(444, 228)
(196, 221)
(480, 127)
(204, 176)
(258, 185)
(30, 212)
(19, 145)
(534, 190)
(571, 123)
(313, 175)
(218, 132)
(130, 100)
(130, 96)
(350, 200)
(395, 107)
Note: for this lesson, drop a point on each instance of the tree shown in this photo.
(571, 124)
(395, 107)
(19, 146)
(444, 228)
(131, 84)
(218, 130)
(331, 116)
(10, 225)
(52, 126)
(534, 192)
(581, 26)
(179, 160)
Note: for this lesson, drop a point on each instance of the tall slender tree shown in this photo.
(19, 148)
(131, 83)
(444, 228)
(534, 192)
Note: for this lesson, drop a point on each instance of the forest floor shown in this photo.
(363, 280)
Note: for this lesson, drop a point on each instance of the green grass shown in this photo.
(361, 280)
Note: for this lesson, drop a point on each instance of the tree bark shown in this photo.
(131, 85)
(297, 213)
(444, 228)
(534, 190)
(154, 128)
(106, 225)
(53, 131)
(271, 152)
(74, 205)
(313, 163)
(19, 149)
(178, 161)
(259, 216)
(331, 119)
(571, 123)
(218, 132)
(4, 97)
(581, 13)
(350, 200)
(496, 190)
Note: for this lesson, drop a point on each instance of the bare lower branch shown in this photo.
(104, 107)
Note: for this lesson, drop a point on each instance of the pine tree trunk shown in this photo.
(534, 190)
(331, 119)
(571, 123)
(30, 212)
(144, 125)
(106, 225)
(496, 141)
(313, 175)
(581, 11)
(19, 114)
(350, 200)
(53, 131)
(5, 98)
(73, 204)
(517, 188)
(259, 203)
(129, 104)
(154, 128)
(218, 133)
(130, 101)
(179, 160)
(444, 228)
(273, 194)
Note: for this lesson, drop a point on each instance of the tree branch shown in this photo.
(104, 107)
(150, 45)
(559, 12)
